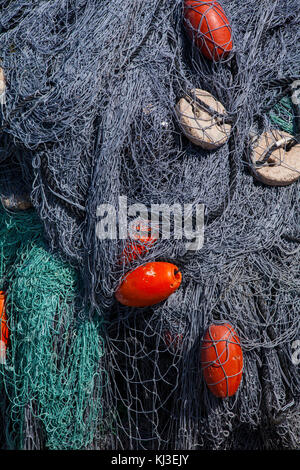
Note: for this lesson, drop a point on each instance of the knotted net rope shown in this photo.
(52, 379)
(90, 104)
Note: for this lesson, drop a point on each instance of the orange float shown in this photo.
(3, 329)
(207, 25)
(148, 284)
(222, 360)
(140, 243)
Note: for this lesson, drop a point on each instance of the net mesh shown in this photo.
(52, 380)
(90, 115)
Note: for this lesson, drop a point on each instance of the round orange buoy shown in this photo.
(141, 240)
(207, 25)
(149, 284)
(222, 360)
(3, 329)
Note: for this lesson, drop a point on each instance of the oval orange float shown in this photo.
(222, 360)
(207, 25)
(3, 329)
(148, 284)
(141, 241)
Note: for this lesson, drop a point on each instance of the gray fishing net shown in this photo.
(90, 115)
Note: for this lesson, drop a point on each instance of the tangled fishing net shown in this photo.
(52, 379)
(90, 115)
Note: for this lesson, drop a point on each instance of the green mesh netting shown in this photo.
(283, 116)
(51, 385)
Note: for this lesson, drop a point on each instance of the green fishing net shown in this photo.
(283, 116)
(51, 384)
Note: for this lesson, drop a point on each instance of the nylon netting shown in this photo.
(53, 378)
(90, 115)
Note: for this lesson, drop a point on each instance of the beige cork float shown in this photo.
(202, 119)
(274, 163)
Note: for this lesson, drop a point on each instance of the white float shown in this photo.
(279, 167)
(201, 126)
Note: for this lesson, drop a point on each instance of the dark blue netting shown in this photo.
(89, 112)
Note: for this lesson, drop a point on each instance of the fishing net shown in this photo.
(283, 116)
(52, 380)
(91, 112)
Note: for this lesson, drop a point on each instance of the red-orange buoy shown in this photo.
(3, 329)
(148, 284)
(222, 360)
(141, 241)
(207, 25)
